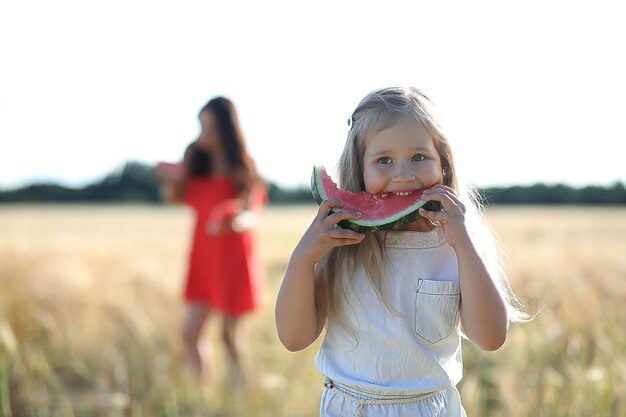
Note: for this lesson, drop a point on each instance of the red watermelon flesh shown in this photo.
(379, 212)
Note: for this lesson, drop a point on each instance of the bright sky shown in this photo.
(529, 91)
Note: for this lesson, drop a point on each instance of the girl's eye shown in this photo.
(418, 157)
(384, 160)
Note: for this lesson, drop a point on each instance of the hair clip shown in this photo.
(350, 122)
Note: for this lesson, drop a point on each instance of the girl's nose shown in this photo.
(404, 178)
(403, 175)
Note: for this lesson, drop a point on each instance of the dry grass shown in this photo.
(90, 311)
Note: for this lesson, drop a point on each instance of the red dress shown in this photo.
(223, 270)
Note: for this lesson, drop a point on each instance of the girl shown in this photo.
(392, 302)
(219, 181)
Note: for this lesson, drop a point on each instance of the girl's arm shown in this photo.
(301, 304)
(483, 310)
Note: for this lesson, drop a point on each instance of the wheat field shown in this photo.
(90, 313)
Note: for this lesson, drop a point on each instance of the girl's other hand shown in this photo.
(451, 217)
(324, 234)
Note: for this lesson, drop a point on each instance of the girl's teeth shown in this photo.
(403, 193)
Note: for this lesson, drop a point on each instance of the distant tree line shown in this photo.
(556, 194)
(135, 183)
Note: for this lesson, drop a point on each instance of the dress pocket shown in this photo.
(436, 308)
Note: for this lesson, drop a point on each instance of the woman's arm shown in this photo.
(251, 187)
(170, 178)
(240, 213)
(173, 177)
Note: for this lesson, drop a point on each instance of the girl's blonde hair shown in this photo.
(377, 111)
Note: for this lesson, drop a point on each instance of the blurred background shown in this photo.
(91, 265)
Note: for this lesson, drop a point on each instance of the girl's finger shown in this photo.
(446, 201)
(455, 199)
(327, 206)
(346, 234)
(445, 187)
(438, 216)
(442, 190)
(340, 215)
(450, 193)
(344, 242)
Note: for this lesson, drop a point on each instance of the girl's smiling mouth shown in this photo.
(385, 194)
(402, 192)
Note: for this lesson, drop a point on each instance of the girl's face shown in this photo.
(209, 138)
(401, 159)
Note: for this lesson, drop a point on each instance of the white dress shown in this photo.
(405, 363)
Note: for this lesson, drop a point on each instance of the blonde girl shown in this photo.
(394, 303)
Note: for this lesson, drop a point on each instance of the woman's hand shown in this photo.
(171, 176)
(238, 223)
(244, 221)
(324, 234)
(169, 172)
(451, 218)
(222, 217)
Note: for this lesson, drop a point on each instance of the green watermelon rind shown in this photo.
(393, 222)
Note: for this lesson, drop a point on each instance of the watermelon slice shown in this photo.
(379, 212)
(169, 171)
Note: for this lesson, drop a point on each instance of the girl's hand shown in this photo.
(451, 218)
(324, 234)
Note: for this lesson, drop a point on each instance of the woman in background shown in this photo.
(218, 179)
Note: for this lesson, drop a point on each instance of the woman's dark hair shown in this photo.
(232, 139)
(240, 165)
